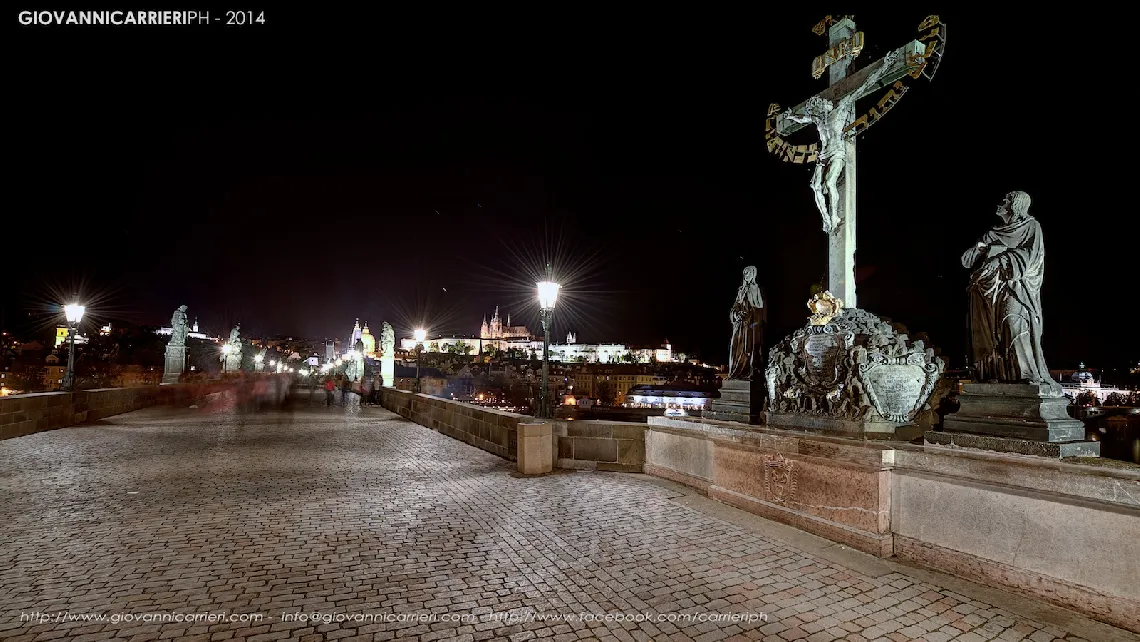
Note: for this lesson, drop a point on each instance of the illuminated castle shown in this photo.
(496, 330)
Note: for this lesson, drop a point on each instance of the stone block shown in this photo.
(1017, 411)
(595, 449)
(617, 468)
(847, 496)
(1053, 449)
(588, 429)
(1039, 533)
(688, 454)
(631, 452)
(629, 431)
(565, 448)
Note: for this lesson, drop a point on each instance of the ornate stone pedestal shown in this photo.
(1030, 419)
(851, 373)
(233, 362)
(388, 370)
(734, 404)
(175, 363)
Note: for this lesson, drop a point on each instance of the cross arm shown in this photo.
(900, 67)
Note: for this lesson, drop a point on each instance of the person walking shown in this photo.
(329, 386)
(345, 387)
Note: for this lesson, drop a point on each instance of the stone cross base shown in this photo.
(850, 428)
(1019, 446)
(1036, 412)
(735, 404)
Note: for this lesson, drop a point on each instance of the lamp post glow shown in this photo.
(74, 314)
(259, 358)
(547, 299)
(420, 335)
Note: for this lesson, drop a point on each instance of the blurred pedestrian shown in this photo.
(329, 386)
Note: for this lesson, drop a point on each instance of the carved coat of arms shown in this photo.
(780, 478)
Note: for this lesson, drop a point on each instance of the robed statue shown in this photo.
(1005, 297)
(747, 319)
(179, 326)
(387, 340)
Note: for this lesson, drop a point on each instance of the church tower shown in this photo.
(496, 325)
(485, 330)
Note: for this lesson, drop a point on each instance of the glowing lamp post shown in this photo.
(226, 349)
(547, 299)
(259, 358)
(74, 314)
(421, 335)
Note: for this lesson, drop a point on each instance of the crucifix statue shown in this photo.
(832, 111)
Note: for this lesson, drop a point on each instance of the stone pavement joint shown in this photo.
(314, 523)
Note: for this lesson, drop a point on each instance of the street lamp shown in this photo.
(420, 335)
(74, 314)
(259, 358)
(547, 298)
(226, 349)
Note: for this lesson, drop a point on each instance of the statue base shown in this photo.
(850, 428)
(1056, 450)
(1028, 411)
(734, 404)
(175, 363)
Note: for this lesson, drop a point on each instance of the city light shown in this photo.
(74, 312)
(547, 294)
(420, 335)
(547, 299)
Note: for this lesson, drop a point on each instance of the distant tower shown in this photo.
(570, 338)
(195, 324)
(496, 325)
(485, 330)
(355, 335)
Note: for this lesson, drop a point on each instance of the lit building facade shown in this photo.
(502, 336)
(193, 333)
(1076, 382)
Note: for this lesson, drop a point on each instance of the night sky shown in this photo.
(331, 165)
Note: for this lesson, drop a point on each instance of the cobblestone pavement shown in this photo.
(320, 524)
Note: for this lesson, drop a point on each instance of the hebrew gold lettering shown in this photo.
(821, 26)
(929, 22)
(773, 108)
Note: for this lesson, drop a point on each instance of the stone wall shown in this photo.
(35, 412)
(584, 445)
(494, 431)
(1055, 531)
(600, 445)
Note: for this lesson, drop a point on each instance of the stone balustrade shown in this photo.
(1053, 530)
(35, 412)
(583, 445)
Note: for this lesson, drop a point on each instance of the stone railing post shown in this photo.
(535, 450)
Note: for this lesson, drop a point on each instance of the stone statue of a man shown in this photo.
(179, 326)
(387, 340)
(747, 317)
(235, 334)
(1005, 297)
(832, 119)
